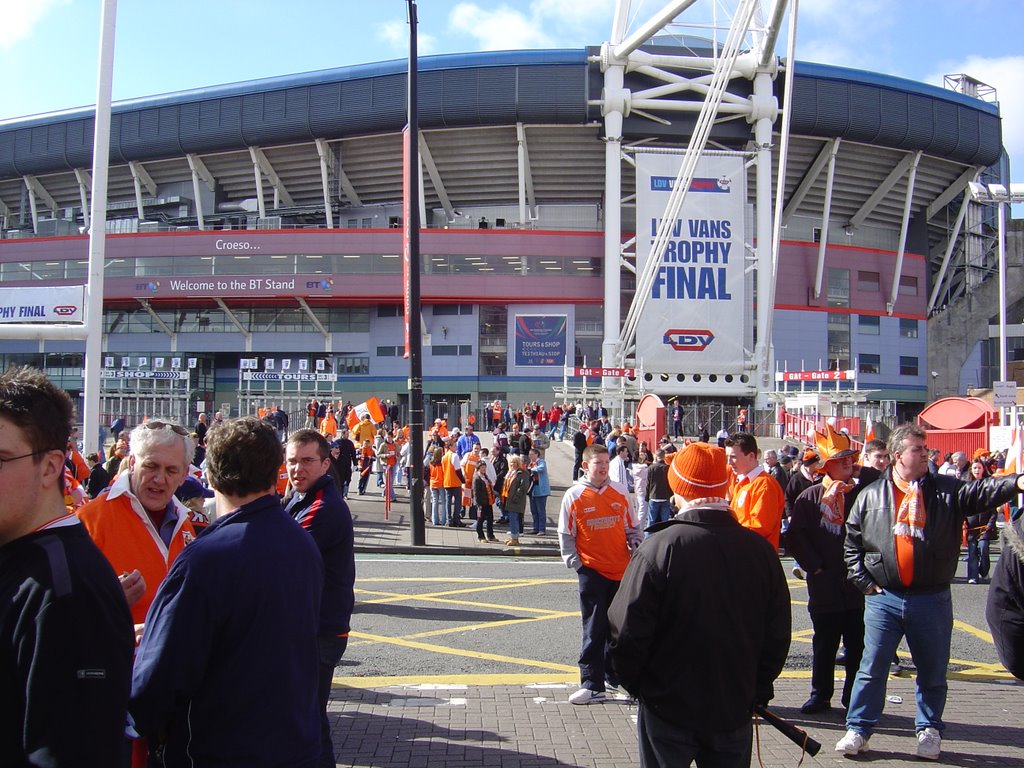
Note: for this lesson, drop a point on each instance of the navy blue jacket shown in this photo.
(326, 516)
(226, 673)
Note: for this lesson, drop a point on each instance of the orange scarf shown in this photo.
(833, 505)
(910, 517)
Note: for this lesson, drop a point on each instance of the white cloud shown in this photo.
(21, 17)
(498, 29)
(547, 24)
(1006, 75)
(396, 35)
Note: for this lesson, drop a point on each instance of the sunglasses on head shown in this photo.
(157, 424)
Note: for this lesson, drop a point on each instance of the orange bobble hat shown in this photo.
(699, 471)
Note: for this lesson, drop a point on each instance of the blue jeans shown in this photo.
(978, 562)
(538, 511)
(515, 524)
(663, 744)
(927, 623)
(453, 498)
(658, 512)
(596, 593)
(437, 506)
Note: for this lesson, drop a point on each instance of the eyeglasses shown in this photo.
(15, 458)
(157, 424)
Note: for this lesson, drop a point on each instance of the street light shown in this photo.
(1001, 196)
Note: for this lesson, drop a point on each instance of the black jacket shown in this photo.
(326, 516)
(700, 625)
(816, 548)
(657, 482)
(65, 647)
(579, 442)
(1005, 610)
(870, 549)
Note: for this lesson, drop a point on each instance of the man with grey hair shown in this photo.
(137, 523)
(959, 466)
(226, 673)
(902, 548)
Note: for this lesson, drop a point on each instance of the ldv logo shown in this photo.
(688, 340)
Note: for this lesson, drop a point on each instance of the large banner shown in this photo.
(54, 304)
(540, 340)
(694, 317)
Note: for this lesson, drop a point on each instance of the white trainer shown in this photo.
(587, 696)
(929, 744)
(852, 743)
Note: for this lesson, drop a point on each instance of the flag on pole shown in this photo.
(1013, 463)
(371, 406)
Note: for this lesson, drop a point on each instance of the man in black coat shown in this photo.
(815, 538)
(699, 578)
(1005, 610)
(579, 445)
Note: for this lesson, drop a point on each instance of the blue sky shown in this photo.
(48, 48)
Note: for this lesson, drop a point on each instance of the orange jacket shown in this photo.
(451, 477)
(126, 536)
(758, 505)
(436, 476)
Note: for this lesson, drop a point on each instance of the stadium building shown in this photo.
(255, 242)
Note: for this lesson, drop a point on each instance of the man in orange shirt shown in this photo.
(755, 498)
(137, 523)
(597, 528)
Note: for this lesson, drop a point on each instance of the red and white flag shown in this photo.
(1013, 463)
(371, 406)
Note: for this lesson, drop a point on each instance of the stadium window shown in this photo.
(868, 325)
(908, 328)
(868, 281)
(353, 366)
(869, 363)
(908, 285)
(447, 310)
(908, 366)
(389, 351)
(465, 350)
(838, 287)
(444, 350)
(389, 310)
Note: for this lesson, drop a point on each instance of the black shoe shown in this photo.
(814, 705)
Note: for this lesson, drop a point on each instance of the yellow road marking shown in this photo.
(468, 653)
(490, 625)
(460, 603)
(978, 633)
(446, 593)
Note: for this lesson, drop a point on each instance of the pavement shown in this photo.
(426, 724)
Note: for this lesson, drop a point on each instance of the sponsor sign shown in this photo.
(223, 286)
(694, 316)
(540, 340)
(54, 304)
